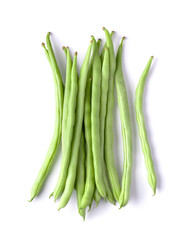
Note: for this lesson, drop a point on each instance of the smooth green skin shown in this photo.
(95, 121)
(152, 179)
(80, 176)
(109, 153)
(99, 43)
(90, 204)
(97, 196)
(49, 159)
(68, 133)
(66, 95)
(77, 131)
(90, 180)
(125, 127)
(105, 45)
(103, 104)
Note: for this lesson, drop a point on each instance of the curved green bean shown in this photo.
(152, 179)
(80, 177)
(68, 133)
(77, 131)
(125, 127)
(95, 120)
(49, 159)
(109, 153)
(90, 181)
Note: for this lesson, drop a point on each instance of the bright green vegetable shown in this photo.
(97, 196)
(105, 45)
(49, 159)
(68, 132)
(152, 179)
(109, 153)
(98, 43)
(77, 131)
(103, 104)
(90, 181)
(125, 127)
(80, 176)
(95, 120)
(67, 94)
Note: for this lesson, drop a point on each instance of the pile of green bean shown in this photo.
(84, 122)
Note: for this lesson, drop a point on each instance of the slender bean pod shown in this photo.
(90, 180)
(103, 107)
(152, 179)
(125, 127)
(77, 131)
(80, 176)
(95, 121)
(49, 159)
(109, 153)
(68, 134)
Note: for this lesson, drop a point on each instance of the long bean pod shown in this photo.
(125, 127)
(90, 180)
(152, 179)
(103, 107)
(95, 121)
(109, 153)
(77, 131)
(68, 134)
(49, 159)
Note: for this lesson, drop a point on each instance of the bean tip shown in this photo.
(103, 28)
(152, 57)
(63, 47)
(75, 53)
(31, 199)
(51, 195)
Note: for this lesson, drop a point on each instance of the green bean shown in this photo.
(77, 131)
(90, 205)
(125, 127)
(68, 133)
(95, 120)
(109, 154)
(49, 159)
(105, 45)
(80, 177)
(67, 94)
(98, 43)
(97, 196)
(141, 127)
(65, 51)
(103, 104)
(90, 181)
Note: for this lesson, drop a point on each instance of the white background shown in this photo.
(159, 28)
